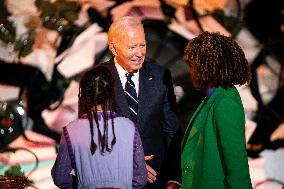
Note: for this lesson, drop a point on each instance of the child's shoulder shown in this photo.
(79, 122)
(124, 120)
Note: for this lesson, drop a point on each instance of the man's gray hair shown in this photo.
(118, 26)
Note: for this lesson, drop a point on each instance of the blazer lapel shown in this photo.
(190, 131)
(205, 105)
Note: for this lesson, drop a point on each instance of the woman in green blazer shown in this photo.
(213, 148)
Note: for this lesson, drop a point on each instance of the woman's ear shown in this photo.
(112, 48)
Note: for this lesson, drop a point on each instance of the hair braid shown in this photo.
(112, 125)
(93, 146)
(96, 88)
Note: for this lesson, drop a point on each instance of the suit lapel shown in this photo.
(122, 106)
(146, 88)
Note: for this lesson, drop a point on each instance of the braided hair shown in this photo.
(217, 60)
(96, 88)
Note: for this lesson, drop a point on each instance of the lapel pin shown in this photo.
(150, 78)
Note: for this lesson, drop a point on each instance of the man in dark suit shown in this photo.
(153, 101)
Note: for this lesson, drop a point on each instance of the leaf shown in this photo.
(14, 170)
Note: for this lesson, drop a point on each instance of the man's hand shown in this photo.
(151, 172)
(173, 185)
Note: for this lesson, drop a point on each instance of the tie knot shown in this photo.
(129, 75)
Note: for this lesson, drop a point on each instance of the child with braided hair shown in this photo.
(100, 149)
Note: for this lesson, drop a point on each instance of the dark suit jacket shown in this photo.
(156, 121)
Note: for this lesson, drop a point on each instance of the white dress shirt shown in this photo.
(123, 79)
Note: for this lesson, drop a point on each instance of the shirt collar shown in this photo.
(122, 71)
(108, 115)
(210, 91)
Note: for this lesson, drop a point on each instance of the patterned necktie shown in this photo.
(131, 96)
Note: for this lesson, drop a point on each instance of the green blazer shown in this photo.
(213, 148)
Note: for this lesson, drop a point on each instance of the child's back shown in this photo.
(101, 149)
(113, 169)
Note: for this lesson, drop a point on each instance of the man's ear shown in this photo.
(112, 48)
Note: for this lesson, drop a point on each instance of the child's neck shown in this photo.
(99, 107)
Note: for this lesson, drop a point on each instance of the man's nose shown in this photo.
(139, 52)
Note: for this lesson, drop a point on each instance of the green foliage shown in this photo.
(14, 170)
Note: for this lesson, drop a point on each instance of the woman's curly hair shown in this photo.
(97, 88)
(215, 59)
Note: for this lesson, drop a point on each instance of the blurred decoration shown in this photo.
(103, 21)
(265, 20)
(232, 23)
(14, 177)
(205, 6)
(14, 170)
(12, 115)
(22, 44)
(176, 3)
(268, 30)
(43, 31)
(40, 94)
(68, 36)
(11, 122)
(18, 182)
(59, 15)
(227, 14)
(146, 9)
(7, 27)
(168, 10)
